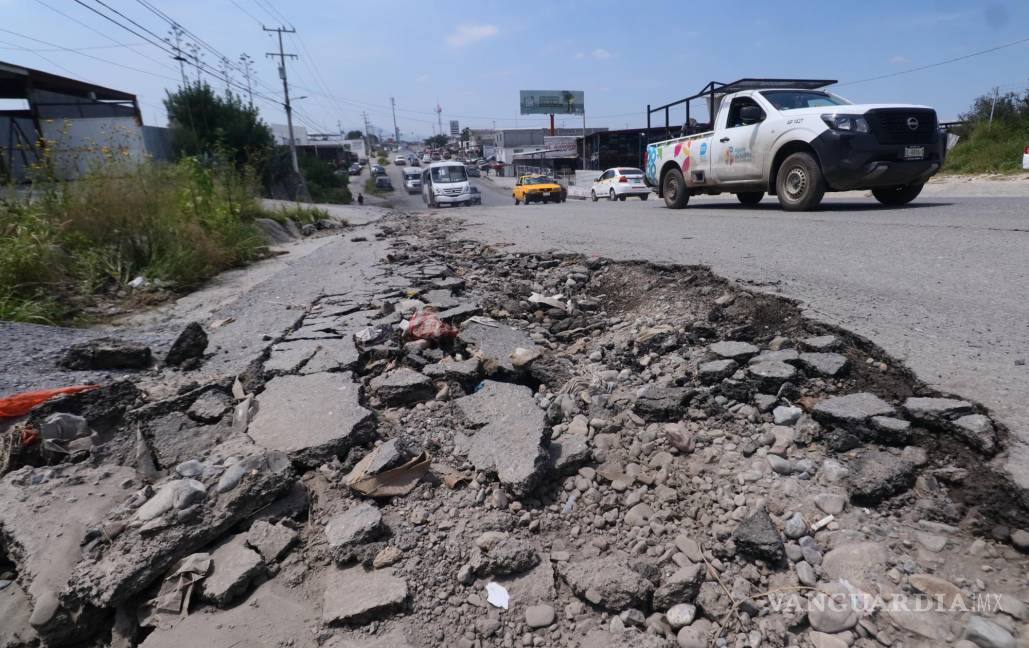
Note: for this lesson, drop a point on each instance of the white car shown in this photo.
(620, 183)
(400, 160)
(1025, 158)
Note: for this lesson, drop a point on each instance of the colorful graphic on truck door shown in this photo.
(682, 152)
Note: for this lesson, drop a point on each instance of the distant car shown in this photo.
(400, 160)
(383, 182)
(436, 157)
(536, 188)
(415, 162)
(355, 169)
(473, 171)
(426, 159)
(619, 184)
(1025, 158)
(413, 180)
(378, 170)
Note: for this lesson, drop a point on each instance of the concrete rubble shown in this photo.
(651, 459)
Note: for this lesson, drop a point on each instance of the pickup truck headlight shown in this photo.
(849, 123)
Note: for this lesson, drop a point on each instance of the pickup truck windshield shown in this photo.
(454, 173)
(793, 99)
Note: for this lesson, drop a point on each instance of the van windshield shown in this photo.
(455, 173)
(793, 99)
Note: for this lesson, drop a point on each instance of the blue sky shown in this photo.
(475, 56)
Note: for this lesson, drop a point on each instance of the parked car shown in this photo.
(619, 184)
(473, 171)
(383, 182)
(415, 162)
(400, 160)
(378, 170)
(446, 183)
(789, 138)
(536, 188)
(355, 169)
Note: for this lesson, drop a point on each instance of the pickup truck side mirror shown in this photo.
(751, 114)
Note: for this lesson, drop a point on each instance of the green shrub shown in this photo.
(990, 148)
(180, 223)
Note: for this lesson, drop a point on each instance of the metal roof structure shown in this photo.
(716, 89)
(15, 80)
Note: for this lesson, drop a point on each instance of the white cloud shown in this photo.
(900, 60)
(423, 78)
(467, 34)
(601, 54)
(580, 55)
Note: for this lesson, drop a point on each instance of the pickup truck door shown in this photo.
(738, 156)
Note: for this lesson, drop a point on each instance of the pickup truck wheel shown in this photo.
(750, 198)
(593, 196)
(674, 190)
(896, 196)
(800, 184)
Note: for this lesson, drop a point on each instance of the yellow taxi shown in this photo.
(537, 188)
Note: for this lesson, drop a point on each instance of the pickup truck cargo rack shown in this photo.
(717, 89)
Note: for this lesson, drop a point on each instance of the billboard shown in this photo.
(454, 129)
(552, 102)
(561, 146)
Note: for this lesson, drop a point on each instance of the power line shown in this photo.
(97, 31)
(252, 16)
(937, 64)
(95, 58)
(70, 49)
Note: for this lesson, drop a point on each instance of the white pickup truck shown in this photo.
(791, 139)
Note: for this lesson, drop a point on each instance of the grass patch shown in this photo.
(298, 213)
(990, 148)
(64, 246)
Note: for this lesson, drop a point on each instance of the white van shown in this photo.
(446, 183)
(413, 180)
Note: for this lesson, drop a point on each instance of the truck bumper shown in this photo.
(859, 161)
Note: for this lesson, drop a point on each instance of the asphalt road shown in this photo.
(942, 285)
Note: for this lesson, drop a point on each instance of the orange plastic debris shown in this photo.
(19, 404)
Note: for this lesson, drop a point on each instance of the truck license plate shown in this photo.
(914, 152)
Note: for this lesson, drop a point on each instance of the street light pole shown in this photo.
(285, 91)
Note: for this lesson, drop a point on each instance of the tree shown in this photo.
(354, 134)
(209, 124)
(436, 141)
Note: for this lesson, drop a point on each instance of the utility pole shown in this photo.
(367, 138)
(248, 74)
(439, 115)
(996, 91)
(285, 90)
(393, 103)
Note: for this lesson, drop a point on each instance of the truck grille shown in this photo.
(894, 125)
(452, 192)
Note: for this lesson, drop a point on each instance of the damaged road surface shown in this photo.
(478, 448)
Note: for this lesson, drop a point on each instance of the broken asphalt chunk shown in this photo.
(511, 442)
(189, 347)
(311, 418)
(354, 596)
(402, 386)
(106, 353)
(495, 345)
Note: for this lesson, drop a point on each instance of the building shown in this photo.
(521, 145)
(281, 134)
(65, 124)
(607, 149)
